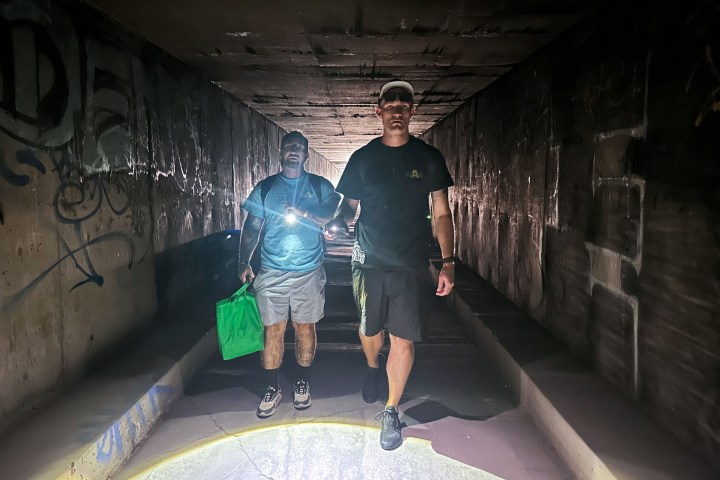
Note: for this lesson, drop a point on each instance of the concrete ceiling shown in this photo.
(317, 66)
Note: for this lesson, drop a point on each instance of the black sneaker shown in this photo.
(371, 383)
(390, 434)
(301, 395)
(269, 402)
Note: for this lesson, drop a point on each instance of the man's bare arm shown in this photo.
(345, 213)
(347, 209)
(442, 219)
(321, 215)
(445, 232)
(248, 242)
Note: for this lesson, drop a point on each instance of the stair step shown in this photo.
(439, 348)
(348, 333)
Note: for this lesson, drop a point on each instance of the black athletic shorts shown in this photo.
(392, 300)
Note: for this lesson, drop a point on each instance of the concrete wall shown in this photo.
(588, 192)
(110, 152)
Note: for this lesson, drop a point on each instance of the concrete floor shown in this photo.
(461, 421)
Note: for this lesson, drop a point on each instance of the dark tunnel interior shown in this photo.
(583, 138)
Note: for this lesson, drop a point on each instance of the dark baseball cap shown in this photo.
(294, 135)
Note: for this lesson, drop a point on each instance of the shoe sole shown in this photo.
(392, 447)
(271, 412)
(387, 449)
(302, 406)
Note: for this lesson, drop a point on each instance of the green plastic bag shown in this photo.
(239, 327)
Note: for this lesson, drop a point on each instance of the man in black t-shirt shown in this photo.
(391, 178)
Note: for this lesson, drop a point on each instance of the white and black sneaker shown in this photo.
(301, 395)
(269, 402)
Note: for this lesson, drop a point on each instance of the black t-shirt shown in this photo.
(392, 185)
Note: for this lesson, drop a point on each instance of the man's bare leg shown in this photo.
(305, 343)
(371, 347)
(272, 355)
(399, 364)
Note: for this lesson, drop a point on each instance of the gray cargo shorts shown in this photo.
(296, 296)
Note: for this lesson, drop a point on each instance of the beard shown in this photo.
(291, 163)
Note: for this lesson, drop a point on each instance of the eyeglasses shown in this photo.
(401, 95)
(294, 147)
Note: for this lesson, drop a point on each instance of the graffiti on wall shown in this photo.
(68, 109)
(37, 95)
(74, 118)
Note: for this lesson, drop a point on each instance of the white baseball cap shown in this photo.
(396, 84)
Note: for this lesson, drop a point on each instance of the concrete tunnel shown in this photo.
(582, 339)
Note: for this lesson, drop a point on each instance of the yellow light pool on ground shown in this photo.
(310, 451)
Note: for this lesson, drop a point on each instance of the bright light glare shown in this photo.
(310, 450)
(290, 218)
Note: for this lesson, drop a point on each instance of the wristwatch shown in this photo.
(450, 260)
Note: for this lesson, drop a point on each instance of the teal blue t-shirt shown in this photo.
(293, 247)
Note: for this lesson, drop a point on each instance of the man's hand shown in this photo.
(446, 280)
(245, 272)
(297, 212)
(334, 227)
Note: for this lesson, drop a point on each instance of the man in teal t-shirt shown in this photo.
(290, 209)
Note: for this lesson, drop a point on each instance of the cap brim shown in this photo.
(396, 84)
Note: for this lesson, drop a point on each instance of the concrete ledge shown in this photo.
(92, 430)
(597, 431)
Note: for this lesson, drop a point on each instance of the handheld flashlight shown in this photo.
(290, 218)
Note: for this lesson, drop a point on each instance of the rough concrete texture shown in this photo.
(587, 193)
(459, 416)
(317, 65)
(93, 428)
(301, 451)
(110, 152)
(597, 431)
(460, 420)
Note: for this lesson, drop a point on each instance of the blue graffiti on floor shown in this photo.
(112, 444)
